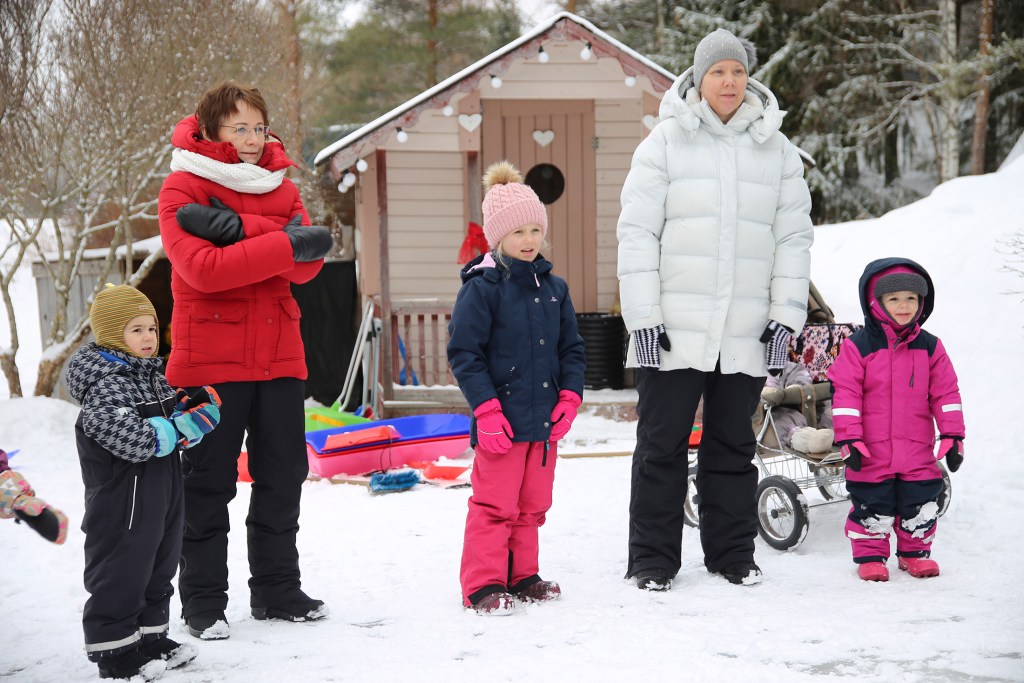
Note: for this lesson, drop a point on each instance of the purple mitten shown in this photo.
(493, 432)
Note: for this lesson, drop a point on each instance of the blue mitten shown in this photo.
(195, 423)
(166, 435)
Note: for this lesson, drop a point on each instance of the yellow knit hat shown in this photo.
(113, 308)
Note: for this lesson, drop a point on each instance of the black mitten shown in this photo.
(309, 242)
(215, 223)
(50, 523)
(854, 454)
(776, 339)
(952, 449)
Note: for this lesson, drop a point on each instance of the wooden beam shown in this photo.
(388, 341)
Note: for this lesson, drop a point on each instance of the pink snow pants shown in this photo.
(511, 496)
(909, 507)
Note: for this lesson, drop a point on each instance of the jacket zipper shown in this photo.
(135, 488)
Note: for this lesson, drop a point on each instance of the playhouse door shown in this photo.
(552, 143)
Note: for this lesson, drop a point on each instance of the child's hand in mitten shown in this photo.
(183, 401)
(493, 432)
(952, 449)
(195, 423)
(854, 454)
(564, 413)
(15, 494)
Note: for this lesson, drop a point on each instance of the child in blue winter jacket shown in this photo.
(519, 360)
(131, 421)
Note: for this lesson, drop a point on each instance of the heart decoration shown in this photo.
(543, 137)
(650, 121)
(470, 121)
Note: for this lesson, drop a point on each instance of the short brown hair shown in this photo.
(221, 101)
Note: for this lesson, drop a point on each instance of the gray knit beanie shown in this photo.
(901, 282)
(716, 46)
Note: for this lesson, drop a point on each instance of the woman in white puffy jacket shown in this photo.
(713, 265)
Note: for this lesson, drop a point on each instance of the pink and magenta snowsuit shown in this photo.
(893, 386)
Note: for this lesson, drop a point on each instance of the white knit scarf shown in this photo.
(246, 178)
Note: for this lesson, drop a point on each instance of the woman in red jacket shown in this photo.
(233, 229)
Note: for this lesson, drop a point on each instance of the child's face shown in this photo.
(523, 243)
(141, 336)
(901, 306)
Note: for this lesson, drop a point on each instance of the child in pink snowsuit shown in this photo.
(518, 358)
(893, 384)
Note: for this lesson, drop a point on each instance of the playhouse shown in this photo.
(567, 104)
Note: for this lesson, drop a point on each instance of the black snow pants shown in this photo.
(272, 414)
(132, 523)
(726, 475)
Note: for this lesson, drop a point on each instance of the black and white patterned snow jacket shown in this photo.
(118, 392)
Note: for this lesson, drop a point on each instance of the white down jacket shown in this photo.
(715, 232)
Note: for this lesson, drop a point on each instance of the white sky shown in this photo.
(534, 12)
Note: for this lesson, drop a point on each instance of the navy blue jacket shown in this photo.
(514, 337)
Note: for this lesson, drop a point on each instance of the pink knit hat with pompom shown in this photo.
(509, 204)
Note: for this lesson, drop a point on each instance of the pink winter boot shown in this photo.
(873, 571)
(919, 567)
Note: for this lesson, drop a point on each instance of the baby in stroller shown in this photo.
(810, 433)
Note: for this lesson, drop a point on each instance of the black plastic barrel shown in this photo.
(604, 337)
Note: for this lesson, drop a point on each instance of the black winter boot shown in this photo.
(742, 573)
(299, 607)
(209, 625)
(129, 664)
(652, 580)
(164, 649)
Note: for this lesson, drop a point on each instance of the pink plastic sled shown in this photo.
(386, 444)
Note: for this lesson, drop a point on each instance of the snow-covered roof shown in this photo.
(140, 248)
(568, 24)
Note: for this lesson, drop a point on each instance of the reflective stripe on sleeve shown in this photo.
(849, 412)
(950, 408)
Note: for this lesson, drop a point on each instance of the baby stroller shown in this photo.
(785, 472)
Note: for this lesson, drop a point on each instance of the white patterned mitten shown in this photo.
(776, 338)
(649, 342)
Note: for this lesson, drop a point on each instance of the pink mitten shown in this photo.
(564, 413)
(17, 499)
(15, 494)
(493, 432)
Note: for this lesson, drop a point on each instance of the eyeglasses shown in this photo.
(243, 131)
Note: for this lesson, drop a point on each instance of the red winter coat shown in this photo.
(234, 318)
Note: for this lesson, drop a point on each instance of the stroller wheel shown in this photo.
(691, 511)
(781, 512)
(830, 480)
(947, 491)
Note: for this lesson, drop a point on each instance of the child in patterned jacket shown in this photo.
(131, 420)
(893, 384)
